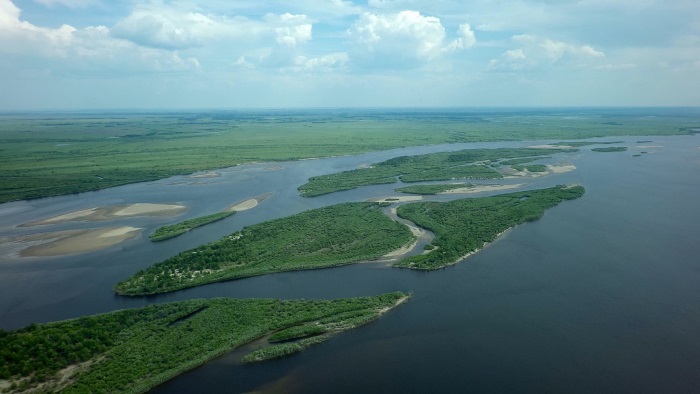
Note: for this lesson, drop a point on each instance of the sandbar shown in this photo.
(67, 242)
(248, 204)
(99, 214)
(244, 206)
(481, 188)
(206, 175)
(560, 169)
(550, 146)
(148, 209)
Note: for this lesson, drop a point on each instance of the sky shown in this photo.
(161, 54)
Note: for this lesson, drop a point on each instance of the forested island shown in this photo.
(464, 164)
(137, 349)
(319, 238)
(463, 226)
(347, 233)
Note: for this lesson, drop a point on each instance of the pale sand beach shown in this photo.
(248, 204)
(243, 206)
(70, 216)
(206, 175)
(149, 209)
(99, 214)
(550, 146)
(560, 169)
(481, 188)
(73, 241)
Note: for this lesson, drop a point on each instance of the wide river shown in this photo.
(601, 294)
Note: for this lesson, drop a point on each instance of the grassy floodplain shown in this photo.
(463, 226)
(464, 164)
(50, 154)
(325, 237)
(135, 350)
(167, 232)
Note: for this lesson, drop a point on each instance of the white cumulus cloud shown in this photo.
(534, 52)
(406, 37)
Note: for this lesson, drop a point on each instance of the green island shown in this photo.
(52, 154)
(320, 238)
(433, 189)
(610, 149)
(464, 164)
(171, 231)
(131, 351)
(463, 227)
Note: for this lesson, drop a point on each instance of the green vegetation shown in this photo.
(610, 149)
(464, 226)
(167, 232)
(283, 349)
(45, 155)
(465, 164)
(135, 350)
(531, 168)
(644, 141)
(319, 238)
(433, 189)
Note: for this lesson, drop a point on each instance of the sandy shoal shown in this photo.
(148, 209)
(648, 146)
(560, 169)
(74, 241)
(244, 206)
(70, 216)
(481, 188)
(206, 175)
(99, 214)
(248, 204)
(550, 146)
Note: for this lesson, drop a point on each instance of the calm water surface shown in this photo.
(600, 294)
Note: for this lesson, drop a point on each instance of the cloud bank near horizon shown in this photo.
(74, 54)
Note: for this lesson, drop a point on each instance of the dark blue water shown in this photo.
(600, 294)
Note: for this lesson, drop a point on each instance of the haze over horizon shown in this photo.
(94, 54)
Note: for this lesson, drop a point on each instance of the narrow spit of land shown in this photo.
(464, 164)
(462, 227)
(137, 349)
(320, 238)
(173, 230)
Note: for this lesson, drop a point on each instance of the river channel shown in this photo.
(601, 294)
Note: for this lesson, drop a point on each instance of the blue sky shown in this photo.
(100, 54)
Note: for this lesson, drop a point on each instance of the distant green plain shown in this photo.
(45, 155)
